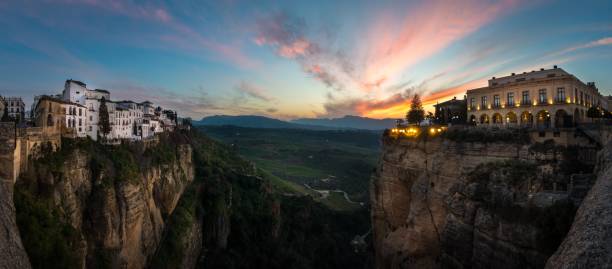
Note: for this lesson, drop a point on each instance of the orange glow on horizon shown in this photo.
(399, 110)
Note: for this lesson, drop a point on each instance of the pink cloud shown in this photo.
(596, 43)
(425, 30)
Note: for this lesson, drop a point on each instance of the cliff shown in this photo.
(12, 252)
(185, 202)
(589, 242)
(451, 203)
(106, 205)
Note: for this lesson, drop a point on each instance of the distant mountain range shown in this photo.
(346, 122)
(352, 122)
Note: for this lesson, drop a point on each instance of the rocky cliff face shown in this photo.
(118, 216)
(436, 204)
(12, 253)
(589, 242)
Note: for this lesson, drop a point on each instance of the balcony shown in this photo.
(560, 100)
(525, 103)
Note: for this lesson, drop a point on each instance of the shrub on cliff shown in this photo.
(48, 240)
(484, 135)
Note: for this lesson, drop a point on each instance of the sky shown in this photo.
(294, 59)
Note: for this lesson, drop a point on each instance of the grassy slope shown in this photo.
(297, 157)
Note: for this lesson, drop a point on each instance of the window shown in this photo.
(80, 112)
(510, 99)
(496, 101)
(80, 123)
(525, 99)
(581, 100)
(560, 95)
(542, 96)
(484, 102)
(575, 95)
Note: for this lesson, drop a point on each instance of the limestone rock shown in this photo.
(589, 241)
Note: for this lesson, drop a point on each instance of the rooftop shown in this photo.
(57, 100)
(76, 82)
(533, 74)
(453, 101)
(102, 90)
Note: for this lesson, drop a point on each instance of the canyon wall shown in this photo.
(589, 242)
(115, 208)
(435, 203)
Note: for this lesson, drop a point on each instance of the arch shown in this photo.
(576, 116)
(484, 119)
(511, 118)
(472, 119)
(543, 119)
(562, 119)
(50, 120)
(497, 118)
(526, 119)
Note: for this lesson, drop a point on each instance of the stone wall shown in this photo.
(19, 145)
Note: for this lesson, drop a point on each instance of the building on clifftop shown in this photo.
(548, 98)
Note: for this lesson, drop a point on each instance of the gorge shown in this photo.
(497, 199)
(183, 201)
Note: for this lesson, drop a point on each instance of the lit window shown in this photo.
(542, 96)
(510, 99)
(560, 94)
(496, 102)
(525, 98)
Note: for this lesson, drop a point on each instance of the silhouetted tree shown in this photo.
(104, 121)
(416, 114)
(5, 115)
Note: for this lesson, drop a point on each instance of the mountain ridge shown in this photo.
(254, 121)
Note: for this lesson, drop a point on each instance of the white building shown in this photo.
(128, 119)
(76, 118)
(16, 107)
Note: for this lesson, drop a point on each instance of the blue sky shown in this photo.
(290, 59)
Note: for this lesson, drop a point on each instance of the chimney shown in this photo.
(541, 69)
(493, 78)
(555, 66)
(513, 74)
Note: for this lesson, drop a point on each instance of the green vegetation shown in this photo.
(47, 236)
(416, 114)
(172, 247)
(512, 172)
(249, 222)
(48, 240)
(322, 159)
(248, 216)
(499, 185)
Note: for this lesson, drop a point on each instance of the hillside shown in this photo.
(326, 160)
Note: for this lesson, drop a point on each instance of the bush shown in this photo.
(48, 240)
(498, 135)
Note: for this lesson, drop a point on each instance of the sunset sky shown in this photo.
(290, 59)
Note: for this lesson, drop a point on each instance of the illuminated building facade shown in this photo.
(548, 98)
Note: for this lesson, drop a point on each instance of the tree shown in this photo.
(5, 115)
(104, 121)
(594, 112)
(416, 114)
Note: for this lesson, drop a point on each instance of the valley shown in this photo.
(338, 163)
